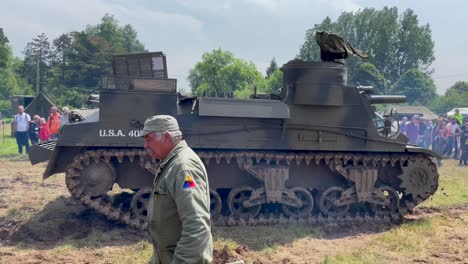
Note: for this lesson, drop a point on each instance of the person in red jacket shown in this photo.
(53, 122)
(44, 134)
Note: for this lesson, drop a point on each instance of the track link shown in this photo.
(116, 211)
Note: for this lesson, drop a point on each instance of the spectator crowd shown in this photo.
(446, 135)
(38, 129)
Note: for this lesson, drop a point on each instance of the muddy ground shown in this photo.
(41, 223)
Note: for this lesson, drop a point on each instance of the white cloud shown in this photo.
(296, 7)
(206, 6)
(271, 5)
(53, 17)
(153, 18)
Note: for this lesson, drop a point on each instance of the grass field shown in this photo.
(453, 185)
(8, 147)
(41, 223)
(439, 239)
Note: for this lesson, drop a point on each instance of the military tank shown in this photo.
(314, 153)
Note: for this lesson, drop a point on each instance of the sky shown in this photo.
(254, 30)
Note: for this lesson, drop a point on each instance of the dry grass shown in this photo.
(40, 223)
(442, 239)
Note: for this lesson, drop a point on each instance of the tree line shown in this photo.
(220, 73)
(68, 67)
(401, 52)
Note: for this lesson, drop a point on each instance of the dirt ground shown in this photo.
(41, 223)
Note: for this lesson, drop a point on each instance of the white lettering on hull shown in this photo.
(119, 133)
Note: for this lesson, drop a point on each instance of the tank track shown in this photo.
(106, 205)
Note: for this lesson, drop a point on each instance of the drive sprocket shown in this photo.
(419, 178)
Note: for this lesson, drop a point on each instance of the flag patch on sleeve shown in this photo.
(189, 182)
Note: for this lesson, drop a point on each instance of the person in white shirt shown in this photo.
(21, 128)
(65, 116)
(452, 131)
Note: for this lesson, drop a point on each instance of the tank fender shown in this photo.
(59, 160)
(415, 149)
(51, 163)
(41, 152)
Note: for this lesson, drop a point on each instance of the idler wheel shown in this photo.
(97, 178)
(215, 203)
(236, 198)
(140, 202)
(419, 178)
(327, 202)
(391, 196)
(307, 203)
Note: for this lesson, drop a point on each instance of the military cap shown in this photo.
(160, 123)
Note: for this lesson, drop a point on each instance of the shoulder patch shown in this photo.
(189, 182)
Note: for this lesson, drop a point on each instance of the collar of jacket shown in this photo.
(178, 148)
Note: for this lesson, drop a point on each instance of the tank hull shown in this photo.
(316, 152)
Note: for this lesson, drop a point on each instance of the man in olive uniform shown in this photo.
(179, 209)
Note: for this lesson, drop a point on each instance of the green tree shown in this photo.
(459, 88)
(109, 29)
(4, 49)
(81, 58)
(37, 56)
(130, 40)
(275, 82)
(10, 82)
(455, 96)
(62, 50)
(272, 68)
(90, 51)
(88, 61)
(71, 66)
(17, 66)
(220, 73)
(415, 45)
(206, 75)
(417, 86)
(243, 77)
(118, 39)
(395, 43)
(368, 75)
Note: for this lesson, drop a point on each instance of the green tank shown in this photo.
(316, 152)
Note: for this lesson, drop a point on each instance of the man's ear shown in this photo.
(167, 136)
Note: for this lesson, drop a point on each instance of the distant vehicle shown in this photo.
(93, 101)
(463, 111)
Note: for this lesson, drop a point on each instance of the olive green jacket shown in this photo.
(179, 210)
